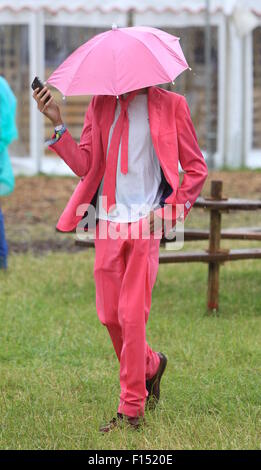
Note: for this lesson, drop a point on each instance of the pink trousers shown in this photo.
(125, 270)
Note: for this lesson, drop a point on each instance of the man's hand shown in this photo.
(51, 108)
(155, 222)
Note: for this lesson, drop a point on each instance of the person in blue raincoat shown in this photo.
(8, 133)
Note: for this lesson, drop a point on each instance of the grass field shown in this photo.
(59, 376)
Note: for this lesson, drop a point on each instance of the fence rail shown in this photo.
(214, 255)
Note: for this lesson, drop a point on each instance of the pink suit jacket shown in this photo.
(174, 139)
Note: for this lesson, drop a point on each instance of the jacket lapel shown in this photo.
(154, 110)
(107, 118)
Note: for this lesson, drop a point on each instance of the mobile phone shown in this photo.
(38, 84)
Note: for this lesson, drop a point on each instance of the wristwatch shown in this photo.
(58, 128)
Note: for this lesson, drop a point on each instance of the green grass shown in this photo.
(59, 374)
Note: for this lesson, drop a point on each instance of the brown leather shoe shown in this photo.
(134, 422)
(153, 384)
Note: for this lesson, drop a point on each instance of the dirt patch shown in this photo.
(39, 247)
(38, 199)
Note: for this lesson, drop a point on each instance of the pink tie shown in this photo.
(120, 132)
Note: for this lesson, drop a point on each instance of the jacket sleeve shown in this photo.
(77, 156)
(190, 158)
(193, 164)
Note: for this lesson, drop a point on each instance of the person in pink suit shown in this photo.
(127, 162)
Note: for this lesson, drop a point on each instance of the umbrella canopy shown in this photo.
(120, 60)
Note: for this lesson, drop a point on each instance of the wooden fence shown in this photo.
(214, 255)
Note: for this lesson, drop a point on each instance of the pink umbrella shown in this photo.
(120, 60)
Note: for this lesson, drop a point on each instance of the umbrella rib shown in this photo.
(116, 71)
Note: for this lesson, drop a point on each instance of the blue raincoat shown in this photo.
(8, 133)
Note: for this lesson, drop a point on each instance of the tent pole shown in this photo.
(210, 156)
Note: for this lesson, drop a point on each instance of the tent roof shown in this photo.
(123, 5)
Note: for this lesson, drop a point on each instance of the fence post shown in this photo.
(214, 245)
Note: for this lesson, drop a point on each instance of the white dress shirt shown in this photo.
(138, 191)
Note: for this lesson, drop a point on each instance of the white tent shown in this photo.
(106, 6)
(235, 21)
